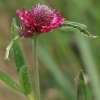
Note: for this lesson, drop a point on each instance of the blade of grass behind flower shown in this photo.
(90, 66)
(62, 43)
(58, 75)
(82, 90)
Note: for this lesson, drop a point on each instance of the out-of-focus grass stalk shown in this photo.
(56, 72)
(84, 48)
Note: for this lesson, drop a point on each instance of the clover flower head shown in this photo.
(39, 19)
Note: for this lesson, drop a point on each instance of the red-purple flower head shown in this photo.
(39, 19)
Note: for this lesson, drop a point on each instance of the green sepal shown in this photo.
(18, 56)
(10, 82)
(70, 26)
(82, 89)
(24, 80)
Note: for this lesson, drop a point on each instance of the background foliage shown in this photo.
(61, 54)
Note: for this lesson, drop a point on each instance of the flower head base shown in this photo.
(39, 19)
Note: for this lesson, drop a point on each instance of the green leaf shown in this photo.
(8, 48)
(82, 90)
(81, 76)
(24, 79)
(13, 30)
(18, 56)
(10, 82)
(76, 26)
(75, 23)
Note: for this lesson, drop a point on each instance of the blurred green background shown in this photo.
(61, 54)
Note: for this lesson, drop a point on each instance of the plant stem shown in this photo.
(36, 75)
(30, 97)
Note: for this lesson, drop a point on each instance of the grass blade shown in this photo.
(89, 64)
(82, 91)
(55, 71)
